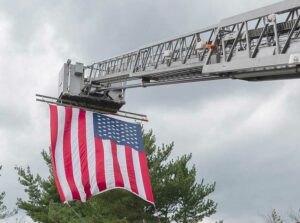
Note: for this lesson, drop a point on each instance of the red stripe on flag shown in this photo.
(146, 177)
(53, 128)
(119, 182)
(83, 153)
(130, 169)
(68, 154)
(100, 173)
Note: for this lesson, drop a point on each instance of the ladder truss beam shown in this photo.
(262, 44)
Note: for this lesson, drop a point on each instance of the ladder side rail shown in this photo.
(173, 52)
(276, 37)
(286, 45)
(277, 8)
(113, 65)
(189, 51)
(151, 58)
(235, 42)
(176, 47)
(248, 43)
(269, 33)
(205, 52)
(253, 55)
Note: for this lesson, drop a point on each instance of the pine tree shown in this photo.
(177, 194)
(4, 212)
(275, 217)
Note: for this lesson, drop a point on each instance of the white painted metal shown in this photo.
(263, 44)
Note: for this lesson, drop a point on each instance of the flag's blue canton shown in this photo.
(123, 133)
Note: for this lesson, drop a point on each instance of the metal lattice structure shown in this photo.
(262, 44)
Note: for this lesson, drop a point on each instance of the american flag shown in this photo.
(93, 153)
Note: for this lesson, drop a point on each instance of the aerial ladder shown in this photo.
(260, 45)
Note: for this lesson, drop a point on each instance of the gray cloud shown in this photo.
(242, 135)
(247, 143)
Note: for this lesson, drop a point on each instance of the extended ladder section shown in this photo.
(262, 44)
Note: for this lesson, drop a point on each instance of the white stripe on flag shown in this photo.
(122, 162)
(59, 155)
(76, 155)
(90, 142)
(138, 174)
(108, 165)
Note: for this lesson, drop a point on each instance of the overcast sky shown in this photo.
(244, 136)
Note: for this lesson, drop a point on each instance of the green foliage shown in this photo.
(177, 194)
(4, 212)
(274, 217)
(295, 216)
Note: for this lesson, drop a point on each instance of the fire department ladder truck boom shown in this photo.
(263, 44)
